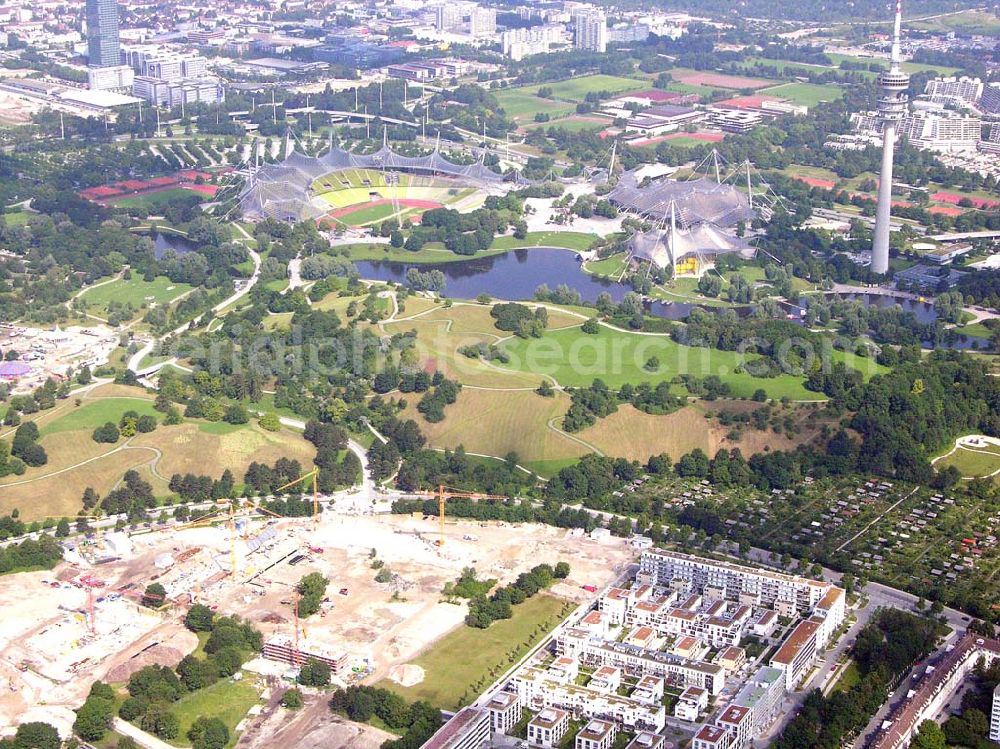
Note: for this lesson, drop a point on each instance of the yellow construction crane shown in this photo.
(443, 495)
(314, 475)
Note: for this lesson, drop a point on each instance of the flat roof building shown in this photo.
(548, 727)
(469, 729)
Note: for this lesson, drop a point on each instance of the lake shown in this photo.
(515, 275)
(163, 242)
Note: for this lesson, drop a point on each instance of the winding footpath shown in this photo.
(135, 361)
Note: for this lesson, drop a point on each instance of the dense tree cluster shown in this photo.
(30, 554)
(25, 445)
(416, 721)
(483, 610)
(597, 401)
(311, 589)
(330, 441)
(885, 649)
(520, 319)
(434, 401)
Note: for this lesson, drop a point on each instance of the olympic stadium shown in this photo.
(695, 220)
(356, 190)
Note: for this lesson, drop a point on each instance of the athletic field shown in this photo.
(360, 197)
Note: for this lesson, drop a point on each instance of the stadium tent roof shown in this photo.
(282, 190)
(696, 201)
(703, 240)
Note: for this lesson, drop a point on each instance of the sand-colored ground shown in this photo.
(312, 727)
(631, 433)
(48, 659)
(493, 422)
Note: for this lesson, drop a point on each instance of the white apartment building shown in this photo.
(590, 30)
(787, 594)
(942, 131)
(483, 21)
(448, 16)
(505, 711)
(749, 714)
(537, 690)
(637, 661)
(711, 737)
(597, 734)
(990, 101)
(469, 729)
(535, 40)
(548, 727)
(798, 652)
(692, 702)
(965, 89)
(646, 740)
(995, 716)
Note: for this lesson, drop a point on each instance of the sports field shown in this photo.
(521, 105)
(576, 89)
(157, 199)
(716, 80)
(806, 94)
(359, 197)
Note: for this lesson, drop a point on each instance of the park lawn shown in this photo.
(204, 447)
(684, 141)
(575, 359)
(96, 411)
(16, 218)
(977, 330)
(569, 240)
(497, 422)
(226, 700)
(849, 677)
(548, 468)
(521, 105)
(635, 435)
(427, 254)
(135, 291)
(611, 267)
(277, 284)
(442, 332)
(156, 200)
(806, 94)
(460, 664)
(979, 462)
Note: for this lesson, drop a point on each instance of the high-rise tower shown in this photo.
(102, 34)
(892, 86)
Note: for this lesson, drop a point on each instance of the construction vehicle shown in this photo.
(443, 494)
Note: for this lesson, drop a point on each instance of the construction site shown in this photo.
(85, 621)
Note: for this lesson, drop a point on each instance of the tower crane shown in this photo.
(314, 475)
(443, 494)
